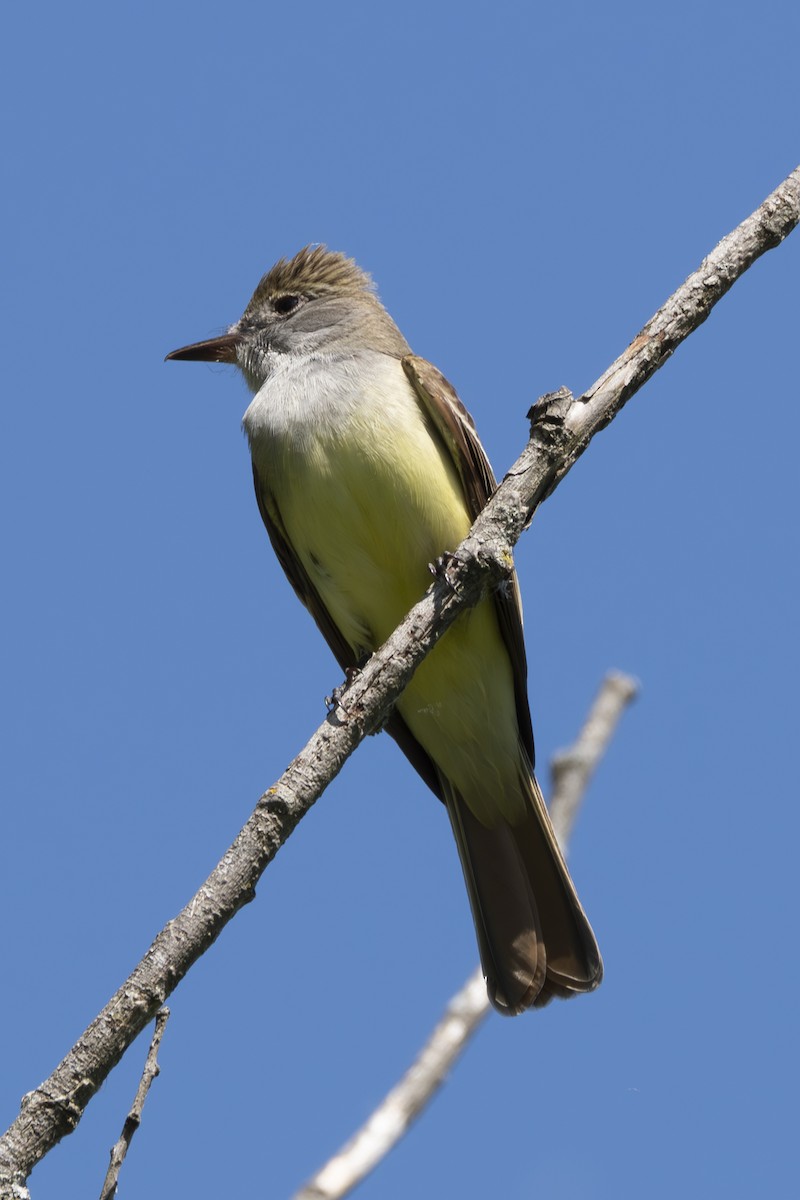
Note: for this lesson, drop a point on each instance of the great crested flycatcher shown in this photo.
(367, 468)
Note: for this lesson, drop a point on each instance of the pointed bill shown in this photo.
(219, 349)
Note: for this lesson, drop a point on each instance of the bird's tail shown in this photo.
(534, 939)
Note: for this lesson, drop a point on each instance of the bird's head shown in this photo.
(316, 304)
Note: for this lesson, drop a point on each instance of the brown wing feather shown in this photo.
(457, 428)
(310, 598)
(500, 866)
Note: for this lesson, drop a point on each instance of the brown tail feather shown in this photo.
(534, 939)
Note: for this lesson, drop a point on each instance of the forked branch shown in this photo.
(562, 428)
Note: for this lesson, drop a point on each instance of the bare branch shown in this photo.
(134, 1117)
(467, 1009)
(562, 428)
(571, 770)
(396, 1112)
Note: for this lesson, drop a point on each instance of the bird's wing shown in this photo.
(345, 656)
(297, 575)
(457, 430)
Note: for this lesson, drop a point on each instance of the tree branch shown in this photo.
(562, 428)
(571, 770)
(470, 1005)
(134, 1117)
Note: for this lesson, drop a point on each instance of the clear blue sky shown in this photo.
(527, 184)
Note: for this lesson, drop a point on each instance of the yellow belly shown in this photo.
(367, 507)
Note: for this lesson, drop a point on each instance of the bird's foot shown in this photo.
(334, 701)
(440, 568)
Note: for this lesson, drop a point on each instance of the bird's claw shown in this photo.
(334, 701)
(440, 567)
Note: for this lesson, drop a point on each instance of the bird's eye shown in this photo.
(285, 304)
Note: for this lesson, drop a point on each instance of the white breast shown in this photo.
(306, 401)
(366, 491)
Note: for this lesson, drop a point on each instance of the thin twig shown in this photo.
(134, 1117)
(571, 770)
(466, 1011)
(403, 1104)
(561, 432)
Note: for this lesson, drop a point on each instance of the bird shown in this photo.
(367, 468)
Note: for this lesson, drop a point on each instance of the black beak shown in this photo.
(219, 349)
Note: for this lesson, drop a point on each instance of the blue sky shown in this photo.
(527, 184)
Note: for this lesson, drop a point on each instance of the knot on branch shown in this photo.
(547, 417)
(488, 563)
(68, 1106)
(275, 803)
(497, 560)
